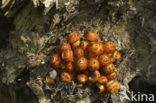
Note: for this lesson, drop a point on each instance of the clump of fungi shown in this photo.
(88, 61)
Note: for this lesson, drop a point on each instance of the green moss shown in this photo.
(119, 27)
(143, 48)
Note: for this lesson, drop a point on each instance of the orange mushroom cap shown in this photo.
(65, 46)
(112, 86)
(73, 37)
(92, 36)
(55, 60)
(96, 48)
(101, 87)
(94, 76)
(82, 78)
(110, 68)
(84, 44)
(70, 67)
(93, 64)
(67, 55)
(104, 60)
(82, 63)
(109, 47)
(65, 76)
(49, 80)
(78, 52)
(116, 55)
(112, 76)
(102, 80)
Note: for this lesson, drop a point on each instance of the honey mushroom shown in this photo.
(109, 47)
(70, 67)
(101, 87)
(110, 68)
(112, 86)
(55, 60)
(49, 80)
(81, 63)
(65, 76)
(104, 60)
(65, 46)
(84, 44)
(87, 56)
(94, 76)
(82, 78)
(92, 36)
(112, 76)
(102, 80)
(93, 64)
(78, 52)
(116, 56)
(67, 55)
(74, 39)
(96, 48)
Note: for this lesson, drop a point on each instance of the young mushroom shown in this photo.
(110, 68)
(82, 78)
(81, 63)
(94, 76)
(65, 76)
(65, 46)
(78, 52)
(112, 76)
(74, 39)
(93, 64)
(55, 60)
(102, 80)
(92, 36)
(116, 56)
(101, 87)
(96, 48)
(49, 80)
(70, 67)
(67, 55)
(84, 44)
(109, 47)
(112, 86)
(104, 60)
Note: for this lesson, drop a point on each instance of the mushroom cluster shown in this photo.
(87, 61)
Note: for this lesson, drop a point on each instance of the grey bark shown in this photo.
(31, 29)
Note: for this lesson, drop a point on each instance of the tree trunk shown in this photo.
(30, 30)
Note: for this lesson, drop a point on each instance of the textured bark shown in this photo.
(31, 29)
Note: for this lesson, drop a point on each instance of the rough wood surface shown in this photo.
(31, 29)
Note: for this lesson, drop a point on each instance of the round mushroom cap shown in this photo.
(112, 76)
(78, 52)
(67, 55)
(104, 60)
(73, 37)
(65, 76)
(82, 78)
(92, 36)
(102, 80)
(55, 60)
(65, 46)
(109, 47)
(116, 55)
(82, 63)
(110, 68)
(113, 86)
(96, 48)
(93, 64)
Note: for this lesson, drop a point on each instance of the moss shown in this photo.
(120, 27)
(143, 48)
